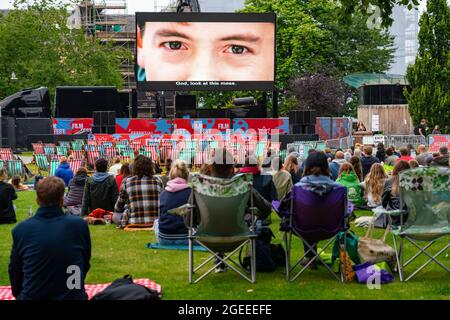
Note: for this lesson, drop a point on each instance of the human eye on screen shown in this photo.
(174, 45)
(237, 49)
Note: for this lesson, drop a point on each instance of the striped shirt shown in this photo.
(139, 200)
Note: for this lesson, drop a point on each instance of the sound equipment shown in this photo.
(248, 112)
(27, 126)
(285, 139)
(212, 113)
(28, 103)
(104, 129)
(302, 121)
(104, 118)
(185, 105)
(247, 101)
(81, 102)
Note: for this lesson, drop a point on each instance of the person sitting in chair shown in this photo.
(64, 171)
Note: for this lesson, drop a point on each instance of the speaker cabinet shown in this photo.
(302, 117)
(104, 118)
(185, 105)
(104, 129)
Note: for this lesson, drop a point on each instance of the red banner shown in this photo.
(201, 125)
(438, 140)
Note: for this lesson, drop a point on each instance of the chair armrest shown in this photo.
(395, 213)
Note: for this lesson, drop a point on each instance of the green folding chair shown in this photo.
(426, 193)
(53, 165)
(15, 168)
(41, 162)
(221, 207)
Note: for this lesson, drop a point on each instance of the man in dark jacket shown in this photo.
(7, 195)
(64, 171)
(100, 191)
(51, 251)
(261, 182)
(367, 160)
(442, 159)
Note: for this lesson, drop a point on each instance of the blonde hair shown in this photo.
(179, 169)
(375, 182)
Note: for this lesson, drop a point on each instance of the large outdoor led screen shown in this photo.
(205, 51)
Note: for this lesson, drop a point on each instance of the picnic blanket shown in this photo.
(174, 247)
(91, 289)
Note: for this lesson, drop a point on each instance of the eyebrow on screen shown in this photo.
(171, 33)
(241, 37)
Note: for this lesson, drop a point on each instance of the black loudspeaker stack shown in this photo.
(185, 105)
(104, 122)
(302, 122)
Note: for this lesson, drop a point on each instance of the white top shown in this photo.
(114, 169)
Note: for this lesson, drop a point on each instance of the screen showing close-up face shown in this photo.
(205, 51)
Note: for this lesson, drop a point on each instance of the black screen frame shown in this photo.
(142, 17)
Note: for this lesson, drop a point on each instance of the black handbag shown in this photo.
(125, 289)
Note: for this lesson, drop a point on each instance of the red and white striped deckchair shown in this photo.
(38, 148)
(110, 152)
(92, 156)
(75, 165)
(77, 154)
(6, 154)
(136, 146)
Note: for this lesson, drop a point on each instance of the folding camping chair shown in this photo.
(221, 205)
(426, 193)
(15, 168)
(52, 166)
(313, 218)
(41, 162)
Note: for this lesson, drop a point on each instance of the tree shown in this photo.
(321, 92)
(350, 7)
(39, 48)
(429, 78)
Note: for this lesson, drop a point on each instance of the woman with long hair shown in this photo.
(373, 185)
(291, 165)
(391, 193)
(124, 171)
(355, 161)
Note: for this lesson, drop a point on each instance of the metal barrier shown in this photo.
(395, 140)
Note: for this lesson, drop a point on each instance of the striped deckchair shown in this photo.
(62, 151)
(92, 156)
(49, 149)
(38, 148)
(64, 144)
(136, 146)
(2, 164)
(77, 154)
(52, 166)
(127, 155)
(150, 151)
(77, 145)
(91, 147)
(15, 168)
(41, 162)
(6, 154)
(109, 153)
(75, 165)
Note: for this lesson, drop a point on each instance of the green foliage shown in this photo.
(429, 78)
(37, 45)
(350, 7)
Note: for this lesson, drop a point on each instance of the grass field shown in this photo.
(116, 253)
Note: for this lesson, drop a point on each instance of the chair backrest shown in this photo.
(41, 161)
(38, 148)
(52, 166)
(75, 165)
(15, 168)
(221, 204)
(426, 193)
(317, 217)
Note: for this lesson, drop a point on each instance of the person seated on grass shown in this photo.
(391, 157)
(170, 228)
(413, 163)
(281, 178)
(261, 182)
(373, 185)
(348, 178)
(442, 159)
(74, 197)
(391, 192)
(50, 249)
(355, 161)
(115, 168)
(316, 179)
(124, 172)
(64, 171)
(16, 182)
(100, 190)
(7, 195)
(138, 196)
(367, 160)
(336, 163)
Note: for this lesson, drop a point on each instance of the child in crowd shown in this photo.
(373, 185)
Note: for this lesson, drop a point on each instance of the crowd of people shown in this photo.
(140, 194)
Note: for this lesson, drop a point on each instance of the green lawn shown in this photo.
(116, 253)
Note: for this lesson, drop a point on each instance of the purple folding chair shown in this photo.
(313, 218)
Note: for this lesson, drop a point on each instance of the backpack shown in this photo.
(268, 256)
(125, 289)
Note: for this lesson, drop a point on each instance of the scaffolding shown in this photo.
(108, 21)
